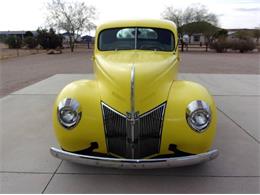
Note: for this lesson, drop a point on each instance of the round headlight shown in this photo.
(68, 113)
(198, 115)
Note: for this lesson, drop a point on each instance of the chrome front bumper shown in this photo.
(134, 163)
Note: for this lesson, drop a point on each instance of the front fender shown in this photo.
(90, 126)
(176, 130)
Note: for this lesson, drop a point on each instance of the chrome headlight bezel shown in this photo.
(198, 108)
(72, 107)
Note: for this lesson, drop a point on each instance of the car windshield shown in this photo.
(136, 38)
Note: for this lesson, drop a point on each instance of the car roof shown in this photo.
(155, 23)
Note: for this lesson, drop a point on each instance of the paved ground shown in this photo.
(26, 134)
(20, 72)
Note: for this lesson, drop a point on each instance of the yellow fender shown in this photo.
(90, 127)
(176, 130)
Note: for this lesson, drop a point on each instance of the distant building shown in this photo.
(66, 38)
(15, 33)
(199, 38)
(232, 32)
(88, 39)
(80, 39)
(194, 39)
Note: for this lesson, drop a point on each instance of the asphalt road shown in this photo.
(19, 72)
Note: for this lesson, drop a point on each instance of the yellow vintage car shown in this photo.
(135, 114)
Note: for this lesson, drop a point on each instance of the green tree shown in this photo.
(42, 37)
(256, 34)
(28, 34)
(49, 39)
(55, 40)
(3, 39)
(221, 34)
(31, 42)
(14, 42)
(206, 29)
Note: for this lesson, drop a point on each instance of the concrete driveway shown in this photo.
(26, 134)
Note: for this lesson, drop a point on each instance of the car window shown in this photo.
(136, 38)
(126, 33)
(117, 39)
(155, 39)
(146, 33)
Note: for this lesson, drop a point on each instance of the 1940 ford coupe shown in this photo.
(135, 114)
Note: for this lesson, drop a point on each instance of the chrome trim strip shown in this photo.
(150, 111)
(119, 113)
(132, 96)
(135, 163)
(142, 115)
(103, 116)
(132, 117)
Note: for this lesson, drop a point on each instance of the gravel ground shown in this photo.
(19, 72)
(220, 63)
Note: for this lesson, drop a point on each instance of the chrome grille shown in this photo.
(115, 130)
(148, 127)
(150, 131)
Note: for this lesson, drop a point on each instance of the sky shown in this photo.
(31, 14)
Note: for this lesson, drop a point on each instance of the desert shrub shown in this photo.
(237, 45)
(243, 45)
(220, 46)
(14, 42)
(30, 42)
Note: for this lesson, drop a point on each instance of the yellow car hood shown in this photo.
(154, 73)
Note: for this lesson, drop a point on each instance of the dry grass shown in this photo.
(10, 53)
(5, 52)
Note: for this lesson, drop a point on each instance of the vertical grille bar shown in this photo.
(115, 129)
(149, 127)
(150, 131)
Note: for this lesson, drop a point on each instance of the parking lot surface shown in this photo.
(26, 134)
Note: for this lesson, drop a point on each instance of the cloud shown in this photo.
(248, 1)
(248, 9)
(221, 15)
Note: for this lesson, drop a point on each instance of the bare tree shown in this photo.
(175, 15)
(199, 13)
(72, 17)
(193, 13)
